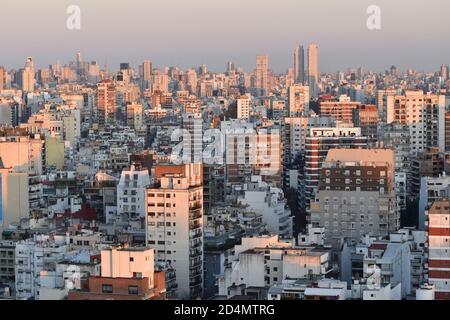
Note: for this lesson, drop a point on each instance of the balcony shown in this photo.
(196, 263)
(195, 214)
(195, 234)
(196, 272)
(194, 225)
(198, 244)
(195, 206)
(196, 281)
(195, 253)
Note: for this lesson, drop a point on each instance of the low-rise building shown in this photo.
(126, 274)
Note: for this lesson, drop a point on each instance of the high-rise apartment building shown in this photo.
(317, 145)
(174, 225)
(160, 81)
(342, 109)
(2, 78)
(14, 195)
(192, 138)
(106, 102)
(295, 131)
(439, 248)
(313, 70)
(146, 75)
(425, 116)
(28, 76)
(356, 195)
(298, 103)
(251, 152)
(262, 82)
(381, 101)
(366, 117)
(444, 72)
(191, 80)
(135, 115)
(243, 107)
(131, 194)
(299, 65)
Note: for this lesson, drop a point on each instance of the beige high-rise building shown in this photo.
(424, 114)
(243, 108)
(28, 76)
(381, 101)
(174, 225)
(14, 197)
(160, 81)
(262, 82)
(23, 154)
(147, 75)
(2, 78)
(298, 100)
(313, 69)
(106, 101)
(191, 81)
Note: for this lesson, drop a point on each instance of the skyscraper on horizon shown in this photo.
(2, 78)
(28, 77)
(313, 70)
(299, 65)
(262, 75)
(146, 75)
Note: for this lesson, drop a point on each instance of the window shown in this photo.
(133, 290)
(107, 288)
(131, 259)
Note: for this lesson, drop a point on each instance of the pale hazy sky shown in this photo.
(415, 33)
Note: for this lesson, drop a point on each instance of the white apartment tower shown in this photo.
(175, 229)
(131, 192)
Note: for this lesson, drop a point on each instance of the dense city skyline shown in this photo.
(192, 34)
(224, 151)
